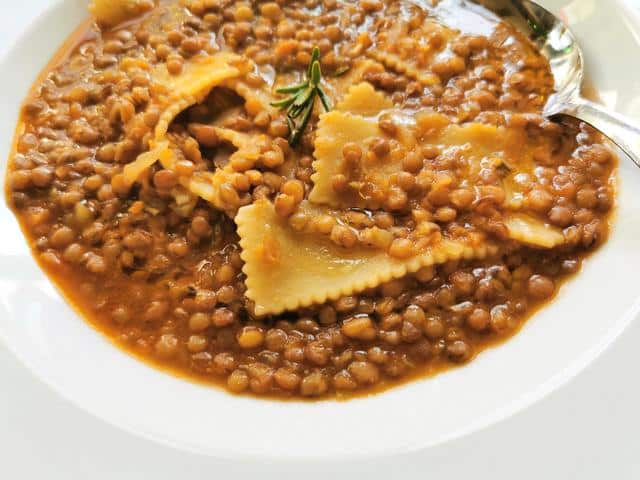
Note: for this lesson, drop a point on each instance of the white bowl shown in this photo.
(555, 345)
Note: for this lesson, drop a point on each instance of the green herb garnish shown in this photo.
(301, 100)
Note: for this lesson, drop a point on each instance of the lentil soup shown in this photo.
(295, 199)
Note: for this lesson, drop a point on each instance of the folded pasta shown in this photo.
(287, 270)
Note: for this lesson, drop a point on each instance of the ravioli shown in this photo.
(335, 130)
(198, 78)
(362, 99)
(196, 81)
(531, 231)
(287, 270)
(476, 145)
(356, 121)
(407, 53)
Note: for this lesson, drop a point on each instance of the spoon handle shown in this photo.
(622, 131)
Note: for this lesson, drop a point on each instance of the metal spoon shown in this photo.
(558, 44)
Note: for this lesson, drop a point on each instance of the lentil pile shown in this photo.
(159, 269)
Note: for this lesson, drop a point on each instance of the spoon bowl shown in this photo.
(554, 40)
(559, 45)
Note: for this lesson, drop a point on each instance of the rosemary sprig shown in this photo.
(301, 100)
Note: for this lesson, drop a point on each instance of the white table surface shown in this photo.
(587, 430)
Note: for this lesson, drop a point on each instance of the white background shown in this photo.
(587, 430)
